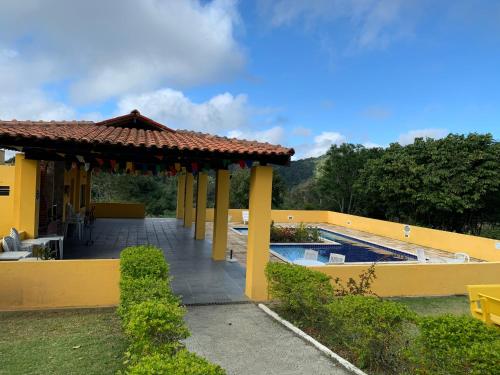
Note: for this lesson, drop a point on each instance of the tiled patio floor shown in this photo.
(195, 275)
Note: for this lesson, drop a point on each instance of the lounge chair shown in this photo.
(311, 255)
(245, 216)
(336, 258)
(459, 258)
(421, 257)
(8, 244)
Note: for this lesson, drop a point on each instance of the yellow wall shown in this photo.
(59, 284)
(477, 247)
(120, 210)
(7, 177)
(420, 279)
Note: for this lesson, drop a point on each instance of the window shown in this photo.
(4, 190)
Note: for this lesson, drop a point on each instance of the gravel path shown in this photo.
(244, 340)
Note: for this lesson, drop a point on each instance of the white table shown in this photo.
(14, 255)
(44, 241)
(308, 262)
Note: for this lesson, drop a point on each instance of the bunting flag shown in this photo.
(242, 164)
(80, 158)
(100, 161)
(249, 163)
(177, 167)
(73, 165)
(194, 167)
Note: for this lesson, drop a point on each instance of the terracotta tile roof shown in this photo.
(152, 136)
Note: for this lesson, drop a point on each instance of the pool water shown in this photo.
(355, 250)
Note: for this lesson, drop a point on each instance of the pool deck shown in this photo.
(238, 242)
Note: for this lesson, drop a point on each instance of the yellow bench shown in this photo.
(485, 303)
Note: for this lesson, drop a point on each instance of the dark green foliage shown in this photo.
(137, 290)
(143, 261)
(183, 363)
(358, 287)
(155, 326)
(301, 233)
(302, 294)
(240, 187)
(157, 193)
(457, 345)
(338, 174)
(371, 330)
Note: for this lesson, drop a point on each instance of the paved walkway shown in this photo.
(244, 340)
(196, 277)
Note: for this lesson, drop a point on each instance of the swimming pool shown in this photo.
(355, 250)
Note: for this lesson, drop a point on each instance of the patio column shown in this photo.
(201, 206)
(26, 195)
(181, 188)
(219, 243)
(188, 201)
(261, 180)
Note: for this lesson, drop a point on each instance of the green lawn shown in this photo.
(84, 341)
(458, 305)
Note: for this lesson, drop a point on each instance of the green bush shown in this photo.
(373, 331)
(299, 234)
(154, 325)
(137, 290)
(183, 363)
(302, 294)
(451, 344)
(143, 261)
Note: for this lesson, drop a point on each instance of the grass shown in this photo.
(457, 305)
(83, 341)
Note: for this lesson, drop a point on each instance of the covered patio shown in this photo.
(196, 277)
(135, 144)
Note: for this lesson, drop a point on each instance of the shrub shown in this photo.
(137, 290)
(301, 234)
(457, 345)
(302, 294)
(154, 325)
(183, 362)
(143, 261)
(353, 287)
(372, 330)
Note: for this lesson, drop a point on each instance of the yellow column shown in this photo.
(181, 189)
(261, 180)
(219, 244)
(188, 201)
(26, 195)
(201, 206)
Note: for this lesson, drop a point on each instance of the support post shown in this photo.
(219, 244)
(261, 180)
(188, 201)
(26, 195)
(201, 206)
(181, 189)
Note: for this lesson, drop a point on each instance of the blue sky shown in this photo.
(306, 74)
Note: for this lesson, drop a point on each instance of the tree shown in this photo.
(338, 173)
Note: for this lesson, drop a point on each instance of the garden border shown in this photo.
(340, 360)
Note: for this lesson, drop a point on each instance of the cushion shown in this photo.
(17, 239)
(8, 244)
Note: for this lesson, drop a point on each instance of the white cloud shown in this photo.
(103, 49)
(321, 145)
(219, 114)
(409, 137)
(274, 135)
(375, 23)
(301, 131)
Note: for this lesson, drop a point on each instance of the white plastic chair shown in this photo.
(311, 255)
(421, 257)
(336, 258)
(459, 258)
(245, 216)
(74, 219)
(8, 244)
